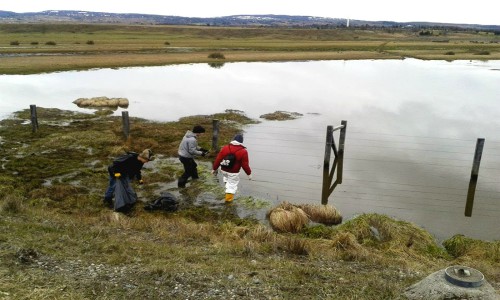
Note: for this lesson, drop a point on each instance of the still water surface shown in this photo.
(411, 132)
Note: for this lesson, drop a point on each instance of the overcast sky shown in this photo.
(484, 12)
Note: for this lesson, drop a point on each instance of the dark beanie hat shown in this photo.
(238, 138)
(198, 129)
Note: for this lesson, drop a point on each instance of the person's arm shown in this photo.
(245, 163)
(218, 159)
(193, 148)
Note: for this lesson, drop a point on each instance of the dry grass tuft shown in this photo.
(11, 204)
(293, 245)
(324, 214)
(287, 218)
(348, 246)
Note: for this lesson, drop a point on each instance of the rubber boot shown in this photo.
(229, 198)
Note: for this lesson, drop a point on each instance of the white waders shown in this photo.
(231, 181)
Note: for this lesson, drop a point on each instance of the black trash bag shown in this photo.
(166, 202)
(125, 196)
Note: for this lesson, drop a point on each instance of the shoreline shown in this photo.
(53, 63)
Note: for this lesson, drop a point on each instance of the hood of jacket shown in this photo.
(236, 143)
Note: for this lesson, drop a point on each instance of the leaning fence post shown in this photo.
(34, 118)
(473, 177)
(215, 135)
(326, 165)
(126, 123)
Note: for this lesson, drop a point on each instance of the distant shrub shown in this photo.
(167, 43)
(216, 55)
(425, 33)
(34, 43)
(51, 43)
(482, 53)
(450, 53)
(90, 42)
(14, 43)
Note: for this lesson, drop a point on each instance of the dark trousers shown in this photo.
(190, 170)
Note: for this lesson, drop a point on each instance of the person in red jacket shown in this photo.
(230, 167)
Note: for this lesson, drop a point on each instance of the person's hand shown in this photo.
(204, 152)
(213, 172)
(141, 181)
(250, 177)
(118, 175)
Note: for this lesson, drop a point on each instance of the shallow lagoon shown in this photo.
(411, 133)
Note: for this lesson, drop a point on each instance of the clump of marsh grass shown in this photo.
(395, 237)
(348, 246)
(324, 214)
(11, 204)
(461, 246)
(287, 218)
(293, 245)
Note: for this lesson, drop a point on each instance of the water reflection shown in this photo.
(216, 65)
(412, 127)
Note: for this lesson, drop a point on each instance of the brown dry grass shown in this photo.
(287, 218)
(324, 214)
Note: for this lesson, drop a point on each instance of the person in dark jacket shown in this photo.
(231, 174)
(126, 168)
(188, 150)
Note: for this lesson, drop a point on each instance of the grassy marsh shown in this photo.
(58, 241)
(25, 48)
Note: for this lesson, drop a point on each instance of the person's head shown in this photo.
(238, 138)
(145, 156)
(198, 129)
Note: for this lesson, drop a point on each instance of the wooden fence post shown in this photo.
(215, 135)
(326, 164)
(34, 118)
(338, 162)
(340, 167)
(473, 177)
(126, 124)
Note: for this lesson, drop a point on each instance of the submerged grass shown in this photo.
(58, 241)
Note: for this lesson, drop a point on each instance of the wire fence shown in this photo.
(381, 170)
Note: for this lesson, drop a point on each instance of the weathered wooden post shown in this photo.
(473, 177)
(126, 124)
(340, 167)
(338, 162)
(326, 164)
(215, 136)
(34, 118)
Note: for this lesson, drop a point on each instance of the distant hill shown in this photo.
(61, 16)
